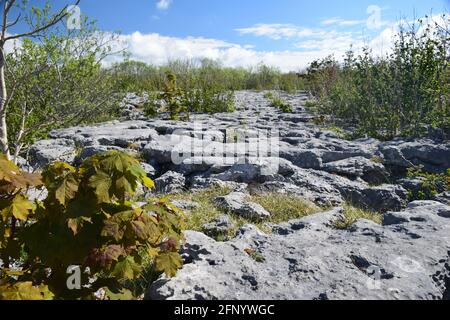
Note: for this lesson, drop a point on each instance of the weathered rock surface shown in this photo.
(219, 227)
(407, 258)
(228, 147)
(435, 157)
(359, 167)
(45, 152)
(170, 182)
(236, 203)
(260, 149)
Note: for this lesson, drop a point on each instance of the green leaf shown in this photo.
(25, 291)
(113, 229)
(127, 269)
(20, 208)
(169, 263)
(123, 294)
(123, 188)
(148, 182)
(138, 172)
(76, 224)
(67, 190)
(116, 162)
(101, 183)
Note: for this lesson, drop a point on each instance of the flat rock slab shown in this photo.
(409, 258)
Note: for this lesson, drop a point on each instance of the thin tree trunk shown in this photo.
(3, 98)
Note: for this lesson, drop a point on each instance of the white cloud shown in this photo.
(12, 44)
(278, 31)
(163, 4)
(157, 49)
(308, 45)
(342, 22)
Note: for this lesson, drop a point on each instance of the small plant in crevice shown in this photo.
(431, 183)
(352, 214)
(173, 96)
(277, 102)
(255, 255)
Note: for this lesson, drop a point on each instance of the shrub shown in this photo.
(277, 102)
(87, 220)
(137, 76)
(403, 93)
(210, 100)
(173, 96)
(432, 183)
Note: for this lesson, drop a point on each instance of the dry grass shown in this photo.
(352, 214)
(207, 210)
(282, 207)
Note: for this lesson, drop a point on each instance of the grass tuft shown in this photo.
(282, 207)
(353, 214)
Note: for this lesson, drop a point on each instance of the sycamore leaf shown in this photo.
(25, 291)
(140, 229)
(148, 182)
(123, 294)
(113, 229)
(123, 187)
(169, 263)
(116, 162)
(152, 252)
(12, 178)
(77, 223)
(101, 183)
(104, 257)
(138, 172)
(67, 190)
(20, 208)
(126, 269)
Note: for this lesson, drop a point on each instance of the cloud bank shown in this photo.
(163, 4)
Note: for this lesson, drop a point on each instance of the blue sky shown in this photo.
(284, 33)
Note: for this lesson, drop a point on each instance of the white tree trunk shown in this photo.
(3, 97)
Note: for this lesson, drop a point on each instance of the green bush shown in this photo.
(403, 93)
(277, 102)
(431, 185)
(137, 76)
(87, 220)
(209, 100)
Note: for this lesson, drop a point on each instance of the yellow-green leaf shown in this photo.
(67, 190)
(25, 291)
(77, 223)
(148, 182)
(124, 294)
(169, 263)
(101, 183)
(20, 208)
(127, 269)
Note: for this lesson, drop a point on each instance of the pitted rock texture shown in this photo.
(407, 258)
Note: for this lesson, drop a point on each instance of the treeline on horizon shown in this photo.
(137, 76)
